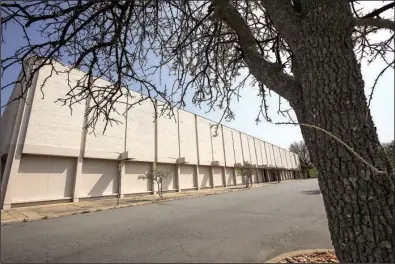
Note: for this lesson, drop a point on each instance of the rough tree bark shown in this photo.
(359, 202)
(327, 91)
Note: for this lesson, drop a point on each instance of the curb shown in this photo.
(115, 207)
(297, 253)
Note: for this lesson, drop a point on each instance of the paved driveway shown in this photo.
(247, 226)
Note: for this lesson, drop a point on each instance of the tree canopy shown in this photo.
(210, 48)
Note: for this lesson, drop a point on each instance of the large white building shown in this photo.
(47, 155)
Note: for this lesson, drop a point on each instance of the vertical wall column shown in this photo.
(256, 158)
(242, 155)
(197, 153)
(212, 177)
(274, 156)
(122, 164)
(154, 164)
(121, 182)
(80, 159)
(212, 159)
(234, 155)
(178, 169)
(179, 153)
(282, 175)
(223, 148)
(242, 149)
(17, 140)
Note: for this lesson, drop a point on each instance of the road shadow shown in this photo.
(312, 192)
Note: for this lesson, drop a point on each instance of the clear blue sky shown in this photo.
(382, 106)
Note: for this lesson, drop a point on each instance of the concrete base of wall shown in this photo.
(100, 179)
(17, 205)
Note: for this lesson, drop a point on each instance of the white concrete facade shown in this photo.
(48, 155)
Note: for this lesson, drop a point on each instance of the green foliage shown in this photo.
(157, 176)
(247, 170)
(313, 173)
(389, 149)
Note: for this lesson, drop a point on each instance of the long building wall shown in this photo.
(59, 158)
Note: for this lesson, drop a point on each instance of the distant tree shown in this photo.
(247, 170)
(390, 151)
(157, 176)
(300, 148)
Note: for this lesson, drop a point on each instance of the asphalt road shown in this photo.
(246, 226)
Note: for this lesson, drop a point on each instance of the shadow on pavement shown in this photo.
(312, 192)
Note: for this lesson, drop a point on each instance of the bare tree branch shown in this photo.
(375, 22)
(380, 10)
(285, 18)
(270, 74)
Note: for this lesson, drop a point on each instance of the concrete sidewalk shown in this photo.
(32, 213)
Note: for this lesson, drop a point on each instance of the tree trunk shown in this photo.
(159, 190)
(359, 202)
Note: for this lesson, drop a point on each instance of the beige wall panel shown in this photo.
(204, 136)
(277, 156)
(288, 155)
(204, 177)
(188, 137)
(167, 139)
(217, 176)
(285, 158)
(252, 150)
(269, 153)
(99, 177)
(265, 160)
(218, 148)
(131, 182)
(169, 184)
(239, 178)
(229, 176)
(112, 139)
(140, 141)
(246, 149)
(187, 177)
(282, 157)
(7, 121)
(43, 178)
(274, 155)
(53, 124)
(258, 151)
(237, 145)
(229, 150)
(275, 159)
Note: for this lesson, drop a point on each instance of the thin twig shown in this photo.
(374, 86)
(339, 140)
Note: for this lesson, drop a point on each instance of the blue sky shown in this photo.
(246, 110)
